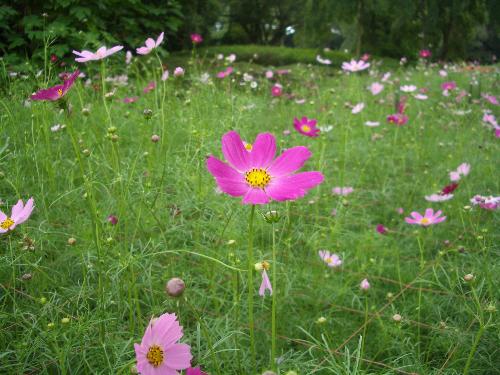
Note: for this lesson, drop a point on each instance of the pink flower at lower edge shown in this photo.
(364, 285)
(332, 260)
(58, 91)
(19, 214)
(491, 99)
(342, 190)
(195, 371)
(429, 218)
(256, 176)
(306, 126)
(159, 352)
(265, 284)
(100, 54)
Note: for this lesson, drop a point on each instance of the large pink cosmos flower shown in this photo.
(306, 126)
(100, 54)
(19, 214)
(159, 352)
(355, 66)
(150, 45)
(256, 176)
(58, 91)
(429, 218)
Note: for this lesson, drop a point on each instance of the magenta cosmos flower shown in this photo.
(306, 126)
(429, 218)
(58, 91)
(355, 66)
(277, 90)
(425, 53)
(159, 352)
(196, 38)
(195, 371)
(150, 45)
(254, 174)
(100, 54)
(19, 214)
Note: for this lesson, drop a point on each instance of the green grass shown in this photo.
(171, 222)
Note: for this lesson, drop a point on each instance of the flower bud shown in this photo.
(148, 113)
(469, 277)
(155, 138)
(65, 320)
(71, 241)
(321, 320)
(271, 217)
(26, 276)
(175, 287)
(397, 318)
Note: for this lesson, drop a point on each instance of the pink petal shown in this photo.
(166, 330)
(429, 212)
(143, 50)
(411, 221)
(17, 209)
(113, 50)
(263, 150)
(439, 220)
(178, 356)
(220, 169)
(293, 186)
(233, 187)
(416, 215)
(265, 285)
(2, 216)
(159, 40)
(289, 161)
(255, 196)
(234, 151)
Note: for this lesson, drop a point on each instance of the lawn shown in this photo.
(124, 202)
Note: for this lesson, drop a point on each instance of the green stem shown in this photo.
(273, 312)
(364, 328)
(474, 348)
(251, 326)
(421, 249)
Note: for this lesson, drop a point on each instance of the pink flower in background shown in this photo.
(357, 108)
(462, 94)
(306, 126)
(408, 88)
(448, 189)
(159, 352)
(372, 124)
(438, 197)
(386, 77)
(265, 284)
(365, 57)
(443, 73)
(277, 90)
(178, 72)
(165, 75)
(132, 99)
(342, 190)
(462, 170)
(100, 54)
(489, 118)
(128, 57)
(376, 88)
(332, 260)
(421, 96)
(112, 219)
(150, 87)
(397, 119)
(364, 285)
(497, 133)
(196, 38)
(451, 85)
(429, 218)
(491, 99)
(56, 92)
(269, 74)
(381, 229)
(488, 203)
(323, 61)
(283, 72)
(400, 210)
(425, 53)
(19, 214)
(256, 176)
(355, 66)
(195, 371)
(225, 73)
(150, 45)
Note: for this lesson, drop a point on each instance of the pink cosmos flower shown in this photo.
(357, 108)
(178, 72)
(425, 54)
(429, 218)
(150, 87)
(195, 371)
(165, 75)
(408, 88)
(451, 85)
(306, 126)
(58, 91)
(283, 72)
(421, 96)
(256, 176)
(19, 214)
(150, 45)
(196, 38)
(265, 284)
(386, 77)
(269, 74)
(443, 73)
(112, 219)
(491, 99)
(332, 260)
(364, 285)
(438, 197)
(365, 57)
(462, 170)
(381, 229)
(132, 99)
(490, 118)
(342, 190)
(159, 352)
(323, 61)
(100, 54)
(448, 189)
(355, 66)
(227, 72)
(497, 133)
(277, 90)
(376, 88)
(488, 203)
(397, 119)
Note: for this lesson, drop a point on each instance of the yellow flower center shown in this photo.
(257, 178)
(266, 265)
(424, 221)
(328, 260)
(305, 128)
(59, 92)
(155, 355)
(7, 223)
(248, 146)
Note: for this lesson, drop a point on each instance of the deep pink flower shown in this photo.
(195, 371)
(425, 54)
(265, 284)
(150, 87)
(451, 85)
(112, 219)
(381, 229)
(53, 58)
(159, 352)
(196, 38)
(150, 45)
(488, 203)
(19, 214)
(58, 91)
(448, 189)
(332, 260)
(100, 54)
(306, 126)
(429, 218)
(256, 176)
(277, 90)
(130, 99)
(397, 119)
(228, 71)
(497, 133)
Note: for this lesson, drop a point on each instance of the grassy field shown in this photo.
(78, 289)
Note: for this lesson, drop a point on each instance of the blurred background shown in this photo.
(451, 29)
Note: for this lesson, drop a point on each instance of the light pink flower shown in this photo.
(364, 285)
(265, 284)
(19, 214)
(150, 45)
(100, 54)
(462, 170)
(372, 123)
(491, 99)
(159, 352)
(489, 118)
(421, 96)
(332, 260)
(227, 72)
(386, 77)
(376, 88)
(451, 85)
(256, 176)
(323, 61)
(342, 190)
(488, 203)
(231, 58)
(150, 87)
(429, 218)
(165, 75)
(355, 66)
(132, 99)
(269, 74)
(178, 72)
(357, 108)
(438, 197)
(443, 73)
(408, 88)
(306, 126)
